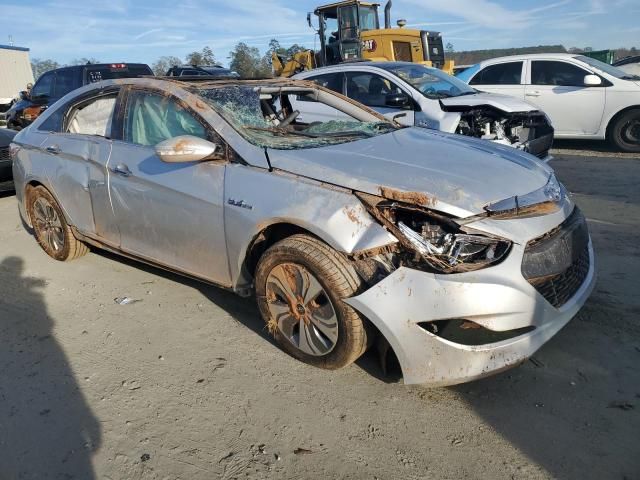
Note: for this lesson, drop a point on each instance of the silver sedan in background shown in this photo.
(461, 256)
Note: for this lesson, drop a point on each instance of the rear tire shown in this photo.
(50, 227)
(625, 132)
(300, 287)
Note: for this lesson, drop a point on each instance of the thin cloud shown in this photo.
(148, 32)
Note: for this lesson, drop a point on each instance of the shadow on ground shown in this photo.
(47, 429)
(580, 145)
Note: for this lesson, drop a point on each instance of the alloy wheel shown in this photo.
(48, 224)
(301, 309)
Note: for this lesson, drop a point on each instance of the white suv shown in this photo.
(584, 97)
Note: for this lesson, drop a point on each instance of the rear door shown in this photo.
(506, 78)
(77, 150)
(171, 214)
(557, 88)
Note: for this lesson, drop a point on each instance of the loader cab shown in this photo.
(341, 25)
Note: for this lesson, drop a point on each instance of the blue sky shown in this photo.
(143, 30)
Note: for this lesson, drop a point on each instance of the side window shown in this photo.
(557, 73)
(370, 89)
(44, 86)
(502, 74)
(54, 122)
(332, 81)
(65, 82)
(152, 118)
(93, 117)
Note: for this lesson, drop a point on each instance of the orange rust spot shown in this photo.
(408, 197)
(182, 145)
(353, 215)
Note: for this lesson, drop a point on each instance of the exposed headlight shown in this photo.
(454, 252)
(434, 242)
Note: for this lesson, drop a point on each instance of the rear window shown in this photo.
(106, 72)
(509, 73)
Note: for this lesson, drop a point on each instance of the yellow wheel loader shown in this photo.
(350, 31)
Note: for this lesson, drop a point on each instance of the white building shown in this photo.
(15, 73)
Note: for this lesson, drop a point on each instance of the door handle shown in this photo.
(122, 169)
(53, 149)
(533, 94)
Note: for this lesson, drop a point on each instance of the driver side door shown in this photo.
(377, 93)
(168, 213)
(557, 88)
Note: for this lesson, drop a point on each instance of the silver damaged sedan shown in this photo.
(460, 257)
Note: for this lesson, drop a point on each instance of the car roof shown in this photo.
(199, 82)
(531, 56)
(360, 64)
(96, 65)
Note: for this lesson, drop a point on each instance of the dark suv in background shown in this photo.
(55, 84)
(201, 71)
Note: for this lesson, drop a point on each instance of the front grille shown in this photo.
(5, 156)
(557, 263)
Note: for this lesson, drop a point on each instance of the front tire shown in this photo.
(50, 227)
(625, 132)
(300, 287)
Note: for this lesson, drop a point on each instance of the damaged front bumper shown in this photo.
(409, 307)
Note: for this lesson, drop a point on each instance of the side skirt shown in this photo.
(101, 244)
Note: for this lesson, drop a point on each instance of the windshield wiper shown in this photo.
(280, 131)
(631, 77)
(349, 133)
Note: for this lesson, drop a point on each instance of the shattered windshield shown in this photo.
(268, 120)
(431, 82)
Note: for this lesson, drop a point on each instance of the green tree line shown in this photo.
(249, 62)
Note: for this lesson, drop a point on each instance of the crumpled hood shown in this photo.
(457, 175)
(504, 103)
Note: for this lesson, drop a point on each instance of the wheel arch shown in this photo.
(28, 188)
(266, 237)
(278, 231)
(615, 117)
(31, 185)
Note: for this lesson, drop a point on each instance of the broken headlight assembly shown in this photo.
(433, 242)
(442, 246)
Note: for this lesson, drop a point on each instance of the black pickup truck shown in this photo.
(55, 84)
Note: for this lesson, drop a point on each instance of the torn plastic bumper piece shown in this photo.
(497, 298)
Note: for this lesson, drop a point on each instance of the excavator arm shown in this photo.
(299, 62)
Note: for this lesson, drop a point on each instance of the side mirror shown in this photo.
(309, 20)
(187, 148)
(397, 100)
(592, 81)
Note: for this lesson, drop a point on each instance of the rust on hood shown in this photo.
(416, 198)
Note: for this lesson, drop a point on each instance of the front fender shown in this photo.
(256, 199)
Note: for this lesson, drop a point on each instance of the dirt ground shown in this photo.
(186, 384)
